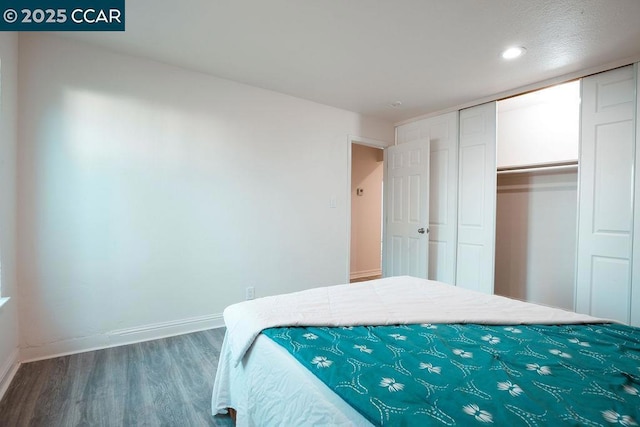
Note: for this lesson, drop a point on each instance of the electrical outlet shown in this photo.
(250, 293)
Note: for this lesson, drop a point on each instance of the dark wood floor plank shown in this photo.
(29, 383)
(94, 408)
(188, 360)
(54, 396)
(116, 393)
(165, 382)
(202, 374)
(80, 368)
(139, 408)
(166, 398)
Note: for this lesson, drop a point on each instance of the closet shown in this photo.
(544, 212)
(601, 240)
(537, 197)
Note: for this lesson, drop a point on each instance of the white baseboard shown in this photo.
(8, 371)
(365, 273)
(121, 337)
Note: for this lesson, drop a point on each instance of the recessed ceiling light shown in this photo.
(513, 52)
(396, 104)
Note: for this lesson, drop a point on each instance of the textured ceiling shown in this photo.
(362, 55)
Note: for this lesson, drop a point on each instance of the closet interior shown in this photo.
(538, 137)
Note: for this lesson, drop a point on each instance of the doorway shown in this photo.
(367, 170)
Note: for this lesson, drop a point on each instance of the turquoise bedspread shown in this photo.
(438, 374)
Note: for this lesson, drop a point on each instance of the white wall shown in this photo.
(152, 194)
(8, 143)
(367, 170)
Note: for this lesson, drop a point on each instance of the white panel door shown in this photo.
(442, 132)
(635, 291)
(605, 210)
(477, 198)
(406, 196)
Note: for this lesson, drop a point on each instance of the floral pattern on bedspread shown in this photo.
(453, 374)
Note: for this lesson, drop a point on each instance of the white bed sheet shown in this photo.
(389, 301)
(271, 388)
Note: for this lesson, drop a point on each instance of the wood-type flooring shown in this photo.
(165, 382)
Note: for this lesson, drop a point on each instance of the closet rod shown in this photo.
(540, 168)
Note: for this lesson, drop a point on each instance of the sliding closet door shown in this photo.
(605, 211)
(442, 131)
(635, 291)
(477, 198)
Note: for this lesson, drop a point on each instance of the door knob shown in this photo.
(422, 230)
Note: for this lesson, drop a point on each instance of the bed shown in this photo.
(469, 358)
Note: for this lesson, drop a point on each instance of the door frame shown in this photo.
(369, 142)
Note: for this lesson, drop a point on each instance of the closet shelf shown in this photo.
(540, 167)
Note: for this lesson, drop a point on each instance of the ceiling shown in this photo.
(363, 55)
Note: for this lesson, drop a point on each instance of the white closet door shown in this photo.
(605, 210)
(635, 292)
(442, 131)
(477, 198)
(406, 195)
